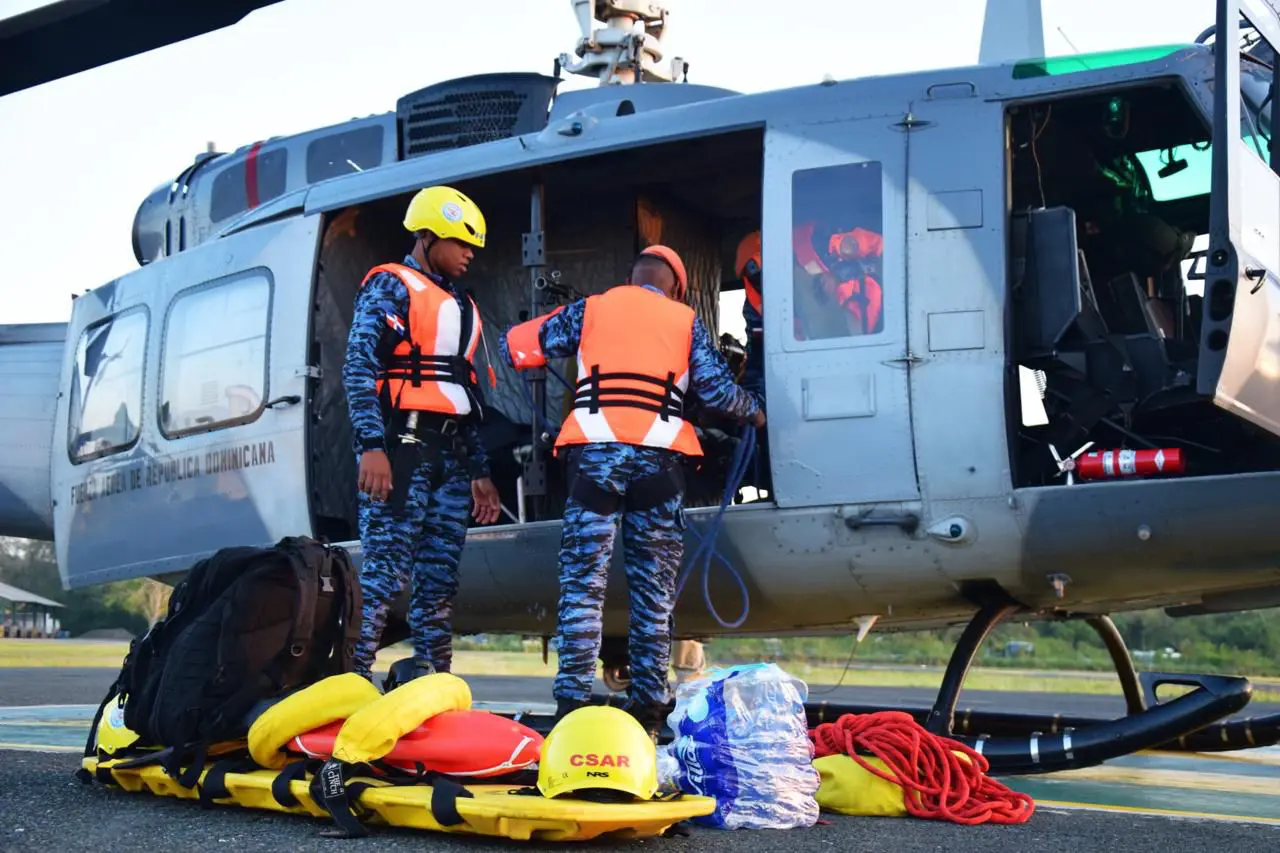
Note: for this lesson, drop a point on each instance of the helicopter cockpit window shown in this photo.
(344, 153)
(1185, 171)
(106, 386)
(214, 367)
(837, 251)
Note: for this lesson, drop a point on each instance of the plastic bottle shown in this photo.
(742, 738)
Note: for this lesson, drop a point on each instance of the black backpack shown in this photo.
(245, 624)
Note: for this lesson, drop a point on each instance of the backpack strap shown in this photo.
(354, 605)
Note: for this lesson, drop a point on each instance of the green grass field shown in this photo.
(110, 654)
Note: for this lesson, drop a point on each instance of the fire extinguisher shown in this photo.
(1116, 464)
(1109, 464)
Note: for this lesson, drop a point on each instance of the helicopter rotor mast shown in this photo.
(627, 49)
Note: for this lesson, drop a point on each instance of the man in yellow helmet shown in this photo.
(414, 402)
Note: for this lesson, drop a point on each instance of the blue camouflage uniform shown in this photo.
(653, 540)
(753, 371)
(425, 544)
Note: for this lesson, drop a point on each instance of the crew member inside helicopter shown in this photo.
(844, 265)
(625, 442)
(414, 403)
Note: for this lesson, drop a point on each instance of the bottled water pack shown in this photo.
(741, 737)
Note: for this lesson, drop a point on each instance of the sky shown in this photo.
(78, 155)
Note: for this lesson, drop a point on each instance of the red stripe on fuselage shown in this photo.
(251, 175)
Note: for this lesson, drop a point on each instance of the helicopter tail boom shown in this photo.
(30, 361)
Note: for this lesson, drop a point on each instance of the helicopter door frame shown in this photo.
(180, 493)
(837, 401)
(1240, 333)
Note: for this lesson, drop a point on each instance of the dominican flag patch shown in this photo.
(396, 323)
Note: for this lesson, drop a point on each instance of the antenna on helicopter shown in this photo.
(1011, 30)
(627, 49)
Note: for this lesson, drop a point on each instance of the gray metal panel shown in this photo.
(958, 286)
(839, 418)
(30, 362)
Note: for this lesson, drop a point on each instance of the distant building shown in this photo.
(25, 614)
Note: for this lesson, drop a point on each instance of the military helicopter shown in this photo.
(1066, 409)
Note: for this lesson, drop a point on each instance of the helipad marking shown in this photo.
(1156, 812)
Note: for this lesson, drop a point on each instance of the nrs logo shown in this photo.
(591, 759)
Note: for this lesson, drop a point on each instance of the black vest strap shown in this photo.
(590, 394)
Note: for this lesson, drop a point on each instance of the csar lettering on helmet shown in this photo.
(591, 759)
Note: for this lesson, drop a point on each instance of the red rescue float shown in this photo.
(455, 743)
(1111, 464)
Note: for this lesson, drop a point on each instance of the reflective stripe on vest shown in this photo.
(523, 345)
(633, 371)
(425, 372)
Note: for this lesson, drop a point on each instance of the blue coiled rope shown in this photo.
(743, 457)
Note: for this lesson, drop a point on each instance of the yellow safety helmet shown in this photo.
(598, 747)
(445, 212)
(112, 735)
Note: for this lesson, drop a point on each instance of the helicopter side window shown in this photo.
(213, 373)
(106, 386)
(234, 192)
(343, 153)
(837, 251)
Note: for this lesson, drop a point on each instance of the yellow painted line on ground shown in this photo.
(39, 747)
(1063, 804)
(1190, 779)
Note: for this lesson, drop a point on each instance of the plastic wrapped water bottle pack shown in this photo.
(742, 738)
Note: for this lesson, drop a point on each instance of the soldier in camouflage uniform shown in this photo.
(414, 494)
(624, 458)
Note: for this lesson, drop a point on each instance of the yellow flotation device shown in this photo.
(334, 698)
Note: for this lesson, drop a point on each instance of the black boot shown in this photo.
(404, 671)
(566, 706)
(652, 717)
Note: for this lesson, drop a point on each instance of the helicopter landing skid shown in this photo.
(1021, 744)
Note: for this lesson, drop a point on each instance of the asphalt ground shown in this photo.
(43, 807)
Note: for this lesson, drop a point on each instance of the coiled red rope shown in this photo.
(936, 783)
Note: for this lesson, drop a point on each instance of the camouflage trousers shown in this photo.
(423, 546)
(653, 545)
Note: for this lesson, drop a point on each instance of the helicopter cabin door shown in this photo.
(200, 359)
(834, 261)
(1240, 329)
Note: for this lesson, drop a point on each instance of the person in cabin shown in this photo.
(640, 348)
(747, 267)
(414, 402)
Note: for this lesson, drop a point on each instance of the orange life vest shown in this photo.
(430, 370)
(523, 345)
(633, 370)
(860, 297)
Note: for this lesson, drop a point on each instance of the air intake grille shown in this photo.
(472, 110)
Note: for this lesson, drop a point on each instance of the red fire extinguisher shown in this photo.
(1109, 464)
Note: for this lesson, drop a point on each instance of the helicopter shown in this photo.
(1066, 409)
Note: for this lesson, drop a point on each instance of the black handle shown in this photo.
(287, 400)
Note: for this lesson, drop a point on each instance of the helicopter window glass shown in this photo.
(1196, 178)
(344, 153)
(214, 370)
(230, 192)
(106, 386)
(837, 228)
